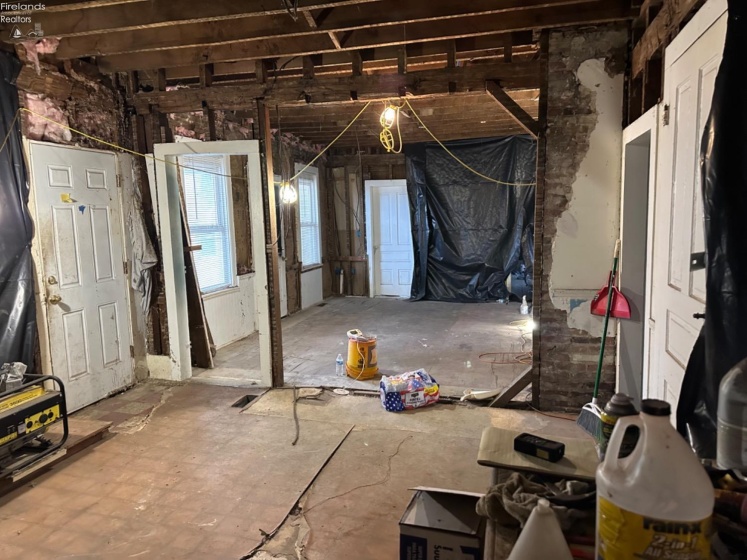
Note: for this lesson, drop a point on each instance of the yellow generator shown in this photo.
(25, 414)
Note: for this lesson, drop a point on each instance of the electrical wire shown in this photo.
(164, 161)
(344, 130)
(462, 163)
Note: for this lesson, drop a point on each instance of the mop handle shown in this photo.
(606, 322)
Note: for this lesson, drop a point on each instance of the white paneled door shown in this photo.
(677, 292)
(390, 238)
(78, 225)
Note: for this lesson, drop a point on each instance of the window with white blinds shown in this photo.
(207, 201)
(308, 210)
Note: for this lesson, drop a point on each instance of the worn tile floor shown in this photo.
(447, 339)
(195, 478)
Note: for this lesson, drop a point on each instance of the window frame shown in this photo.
(233, 284)
(313, 173)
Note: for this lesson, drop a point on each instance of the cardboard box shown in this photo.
(441, 525)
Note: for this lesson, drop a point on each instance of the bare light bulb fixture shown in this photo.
(389, 116)
(288, 193)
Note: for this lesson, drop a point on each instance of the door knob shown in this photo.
(54, 300)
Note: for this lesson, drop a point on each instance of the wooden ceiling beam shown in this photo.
(522, 20)
(654, 38)
(339, 89)
(512, 108)
(341, 20)
(110, 17)
(57, 6)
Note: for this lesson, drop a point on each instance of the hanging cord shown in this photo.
(385, 136)
(428, 130)
(164, 161)
(344, 130)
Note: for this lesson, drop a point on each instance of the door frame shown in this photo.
(40, 293)
(701, 23)
(646, 123)
(369, 186)
(169, 217)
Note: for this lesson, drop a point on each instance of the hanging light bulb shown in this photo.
(389, 116)
(288, 193)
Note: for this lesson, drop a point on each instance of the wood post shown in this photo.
(539, 218)
(271, 238)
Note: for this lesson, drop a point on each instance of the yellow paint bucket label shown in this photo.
(624, 535)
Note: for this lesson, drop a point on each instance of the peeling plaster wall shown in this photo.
(587, 229)
(579, 209)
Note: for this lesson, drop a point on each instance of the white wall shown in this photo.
(230, 313)
(593, 214)
(311, 288)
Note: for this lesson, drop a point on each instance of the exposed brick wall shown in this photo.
(565, 357)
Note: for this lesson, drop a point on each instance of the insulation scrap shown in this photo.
(35, 47)
(37, 128)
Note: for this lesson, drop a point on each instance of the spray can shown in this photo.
(657, 503)
(618, 406)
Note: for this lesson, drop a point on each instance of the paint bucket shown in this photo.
(361, 363)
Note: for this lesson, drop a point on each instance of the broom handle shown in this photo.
(606, 323)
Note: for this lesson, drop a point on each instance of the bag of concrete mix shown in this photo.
(412, 389)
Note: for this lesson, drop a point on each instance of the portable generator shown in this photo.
(25, 414)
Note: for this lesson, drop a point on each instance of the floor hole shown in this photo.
(243, 401)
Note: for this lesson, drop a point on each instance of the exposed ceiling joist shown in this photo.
(162, 13)
(378, 59)
(588, 12)
(343, 89)
(57, 6)
(338, 20)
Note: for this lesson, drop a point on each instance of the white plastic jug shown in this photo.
(541, 538)
(657, 502)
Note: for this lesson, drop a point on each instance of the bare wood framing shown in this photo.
(516, 386)
(670, 16)
(519, 75)
(57, 6)
(521, 117)
(162, 13)
(252, 27)
(380, 58)
(271, 238)
(357, 63)
(280, 46)
(539, 220)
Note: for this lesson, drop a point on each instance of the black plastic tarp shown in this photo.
(17, 309)
(468, 232)
(723, 340)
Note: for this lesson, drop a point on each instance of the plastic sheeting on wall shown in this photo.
(17, 307)
(723, 340)
(467, 231)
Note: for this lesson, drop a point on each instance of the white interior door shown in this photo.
(678, 293)
(79, 227)
(390, 238)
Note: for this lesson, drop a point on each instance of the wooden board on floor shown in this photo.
(497, 450)
(82, 433)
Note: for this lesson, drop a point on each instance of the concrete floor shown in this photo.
(194, 478)
(444, 338)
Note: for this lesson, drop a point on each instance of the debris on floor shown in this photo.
(413, 389)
